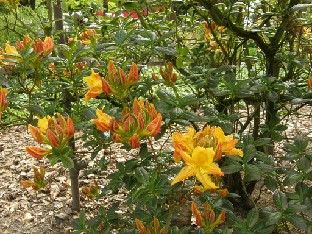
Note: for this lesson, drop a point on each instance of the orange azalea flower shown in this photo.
(52, 131)
(53, 138)
(38, 181)
(3, 100)
(151, 228)
(103, 121)
(47, 46)
(207, 218)
(142, 121)
(22, 45)
(199, 164)
(88, 37)
(36, 134)
(117, 82)
(94, 82)
(69, 128)
(153, 128)
(168, 74)
(43, 48)
(134, 141)
(37, 152)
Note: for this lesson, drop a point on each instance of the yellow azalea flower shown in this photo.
(227, 143)
(94, 82)
(43, 123)
(200, 164)
(183, 142)
(11, 50)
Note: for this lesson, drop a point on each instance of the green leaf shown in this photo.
(142, 175)
(303, 190)
(272, 96)
(262, 142)
(297, 220)
(143, 151)
(179, 62)
(37, 110)
(296, 208)
(189, 100)
(165, 50)
(252, 172)
(280, 127)
(166, 96)
(232, 168)
(301, 143)
(280, 200)
(304, 164)
(299, 7)
(271, 183)
(273, 218)
(249, 153)
(67, 161)
(292, 179)
(120, 36)
(252, 217)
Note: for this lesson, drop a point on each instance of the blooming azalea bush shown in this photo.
(189, 152)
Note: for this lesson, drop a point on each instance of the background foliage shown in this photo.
(243, 66)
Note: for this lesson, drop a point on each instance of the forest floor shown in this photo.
(26, 211)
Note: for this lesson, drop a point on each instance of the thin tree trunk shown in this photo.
(58, 17)
(73, 172)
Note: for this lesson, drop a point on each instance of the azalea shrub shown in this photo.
(182, 107)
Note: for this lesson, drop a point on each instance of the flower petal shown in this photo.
(185, 172)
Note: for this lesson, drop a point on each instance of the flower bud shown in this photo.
(37, 152)
(134, 141)
(36, 133)
(53, 139)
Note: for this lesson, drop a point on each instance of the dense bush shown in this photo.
(216, 80)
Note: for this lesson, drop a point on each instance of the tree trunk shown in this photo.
(105, 6)
(58, 17)
(48, 26)
(32, 4)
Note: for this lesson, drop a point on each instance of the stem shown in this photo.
(154, 154)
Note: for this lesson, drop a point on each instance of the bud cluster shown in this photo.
(51, 131)
(140, 121)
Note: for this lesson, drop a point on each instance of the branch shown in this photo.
(224, 20)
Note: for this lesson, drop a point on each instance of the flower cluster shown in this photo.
(68, 73)
(39, 47)
(142, 121)
(3, 100)
(199, 151)
(38, 182)
(87, 38)
(211, 31)
(50, 131)
(207, 218)
(116, 83)
(153, 228)
(168, 75)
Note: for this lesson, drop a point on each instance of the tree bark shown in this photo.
(58, 17)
